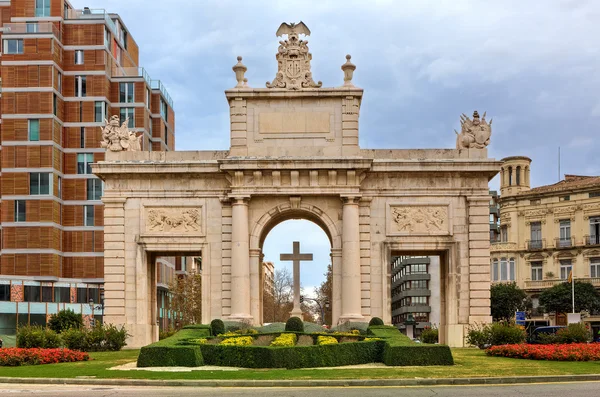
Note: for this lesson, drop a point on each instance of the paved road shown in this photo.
(580, 389)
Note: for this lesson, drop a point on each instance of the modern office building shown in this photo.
(64, 71)
(546, 232)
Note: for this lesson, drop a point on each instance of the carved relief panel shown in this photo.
(184, 219)
(426, 219)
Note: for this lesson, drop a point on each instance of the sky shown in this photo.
(534, 66)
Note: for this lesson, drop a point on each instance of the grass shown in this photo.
(469, 363)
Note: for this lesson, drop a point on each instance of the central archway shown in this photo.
(274, 217)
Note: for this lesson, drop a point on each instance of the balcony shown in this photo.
(564, 242)
(157, 85)
(131, 72)
(591, 240)
(544, 284)
(503, 247)
(535, 245)
(31, 28)
(494, 210)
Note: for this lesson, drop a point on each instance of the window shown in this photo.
(14, 46)
(89, 215)
(31, 293)
(504, 272)
(536, 235)
(42, 8)
(594, 194)
(20, 211)
(82, 137)
(594, 230)
(510, 176)
(535, 202)
(84, 163)
(59, 187)
(565, 233)
(55, 105)
(565, 268)
(565, 198)
(148, 98)
(80, 86)
(595, 267)
(163, 110)
(62, 294)
(126, 92)
(40, 183)
(32, 27)
(59, 82)
(82, 295)
(5, 292)
(128, 113)
(106, 37)
(33, 129)
(94, 189)
(518, 176)
(166, 136)
(125, 39)
(503, 234)
(65, 13)
(99, 111)
(536, 271)
(78, 57)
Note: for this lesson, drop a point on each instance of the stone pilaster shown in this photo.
(114, 261)
(479, 259)
(239, 127)
(367, 303)
(351, 289)
(240, 261)
(350, 111)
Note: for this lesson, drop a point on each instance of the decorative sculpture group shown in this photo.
(474, 134)
(118, 138)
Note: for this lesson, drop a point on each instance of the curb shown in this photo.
(306, 383)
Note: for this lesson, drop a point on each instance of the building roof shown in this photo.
(569, 183)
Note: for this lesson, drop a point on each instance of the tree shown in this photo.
(324, 293)
(278, 302)
(186, 298)
(506, 299)
(558, 298)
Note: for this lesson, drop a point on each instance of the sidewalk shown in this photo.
(306, 383)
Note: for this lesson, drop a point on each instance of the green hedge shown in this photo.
(170, 352)
(417, 355)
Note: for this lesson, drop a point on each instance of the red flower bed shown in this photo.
(563, 352)
(16, 356)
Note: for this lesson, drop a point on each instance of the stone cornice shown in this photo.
(268, 93)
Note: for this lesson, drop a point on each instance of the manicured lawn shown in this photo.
(469, 363)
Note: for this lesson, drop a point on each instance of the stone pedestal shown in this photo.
(350, 261)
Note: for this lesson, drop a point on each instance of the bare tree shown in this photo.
(324, 294)
(186, 298)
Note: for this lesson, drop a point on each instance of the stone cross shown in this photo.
(296, 257)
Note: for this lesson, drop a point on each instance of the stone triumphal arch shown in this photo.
(294, 154)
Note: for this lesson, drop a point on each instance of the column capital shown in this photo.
(236, 199)
(350, 199)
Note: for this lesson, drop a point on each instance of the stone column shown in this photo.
(256, 285)
(336, 288)
(240, 261)
(351, 308)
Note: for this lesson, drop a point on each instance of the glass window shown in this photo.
(89, 215)
(503, 234)
(31, 293)
(166, 136)
(34, 129)
(55, 104)
(536, 233)
(503, 269)
(80, 86)
(94, 189)
(536, 271)
(20, 211)
(148, 98)
(40, 183)
(84, 163)
(82, 295)
(511, 269)
(99, 111)
(59, 82)
(565, 268)
(510, 176)
(126, 92)
(62, 294)
(42, 8)
(82, 137)
(5, 292)
(32, 27)
(14, 46)
(495, 275)
(164, 110)
(594, 230)
(106, 37)
(595, 267)
(128, 113)
(59, 187)
(47, 294)
(78, 57)
(565, 232)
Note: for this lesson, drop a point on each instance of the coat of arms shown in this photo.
(293, 59)
(474, 134)
(117, 137)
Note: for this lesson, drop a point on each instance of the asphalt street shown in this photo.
(579, 389)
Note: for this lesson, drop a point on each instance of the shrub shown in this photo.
(103, 337)
(74, 339)
(294, 324)
(429, 335)
(163, 334)
(351, 325)
(574, 333)
(502, 333)
(37, 337)
(417, 355)
(168, 352)
(562, 352)
(285, 340)
(217, 326)
(17, 356)
(237, 341)
(376, 321)
(64, 320)
(326, 340)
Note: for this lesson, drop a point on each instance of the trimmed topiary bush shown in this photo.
(417, 355)
(429, 335)
(294, 324)
(375, 321)
(64, 320)
(170, 352)
(217, 326)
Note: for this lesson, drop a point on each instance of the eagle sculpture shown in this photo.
(298, 28)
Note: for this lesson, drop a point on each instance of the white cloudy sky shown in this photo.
(534, 66)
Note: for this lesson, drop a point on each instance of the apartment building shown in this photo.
(64, 71)
(546, 232)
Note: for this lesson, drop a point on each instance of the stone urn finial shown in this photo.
(348, 69)
(239, 69)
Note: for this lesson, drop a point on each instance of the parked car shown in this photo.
(551, 330)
